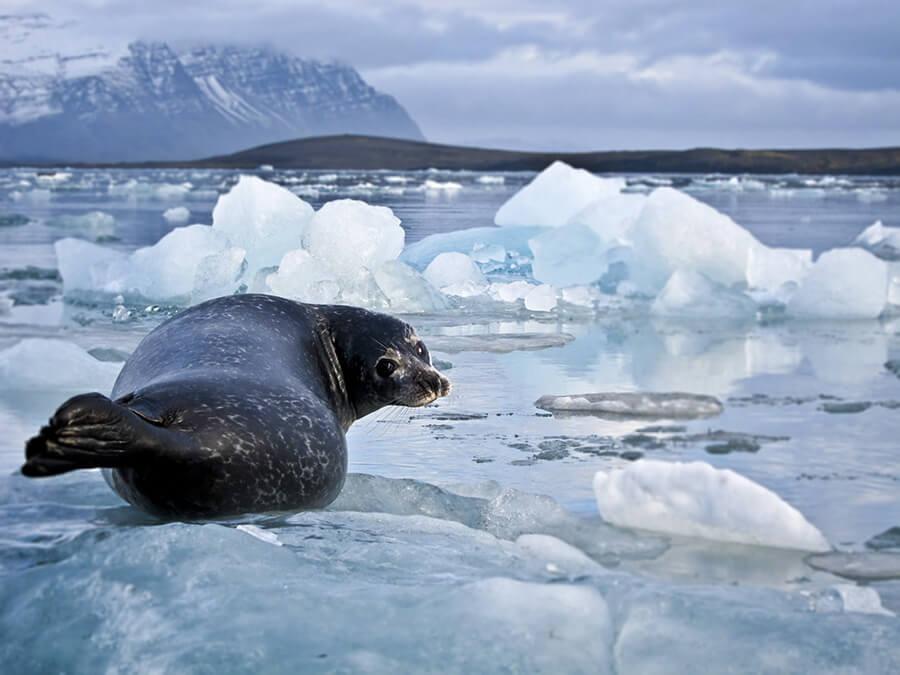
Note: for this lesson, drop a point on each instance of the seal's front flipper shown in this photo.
(90, 431)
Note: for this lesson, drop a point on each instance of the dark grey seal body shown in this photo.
(239, 404)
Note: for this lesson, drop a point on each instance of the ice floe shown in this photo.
(177, 215)
(673, 405)
(42, 364)
(859, 565)
(695, 499)
(690, 295)
(883, 241)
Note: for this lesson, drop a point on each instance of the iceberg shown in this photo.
(612, 216)
(772, 268)
(407, 291)
(302, 277)
(694, 499)
(95, 224)
(674, 405)
(514, 240)
(541, 298)
(690, 295)
(554, 196)
(86, 267)
(264, 219)
(847, 283)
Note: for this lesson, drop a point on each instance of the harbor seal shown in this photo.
(239, 404)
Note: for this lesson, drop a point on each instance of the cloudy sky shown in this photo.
(574, 74)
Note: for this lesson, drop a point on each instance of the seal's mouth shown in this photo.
(432, 389)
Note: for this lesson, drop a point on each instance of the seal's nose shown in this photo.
(444, 385)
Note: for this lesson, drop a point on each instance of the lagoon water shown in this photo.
(468, 536)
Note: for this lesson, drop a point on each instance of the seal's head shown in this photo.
(384, 362)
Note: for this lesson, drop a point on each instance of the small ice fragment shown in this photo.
(491, 180)
(87, 267)
(861, 599)
(554, 196)
(261, 534)
(96, 224)
(438, 186)
(302, 277)
(454, 269)
(695, 499)
(771, 268)
(541, 298)
(675, 405)
(512, 291)
(882, 241)
(177, 215)
(485, 253)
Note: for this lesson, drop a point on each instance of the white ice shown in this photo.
(675, 405)
(690, 295)
(94, 224)
(883, 241)
(513, 239)
(554, 196)
(263, 218)
(541, 298)
(846, 283)
(568, 255)
(455, 274)
(695, 499)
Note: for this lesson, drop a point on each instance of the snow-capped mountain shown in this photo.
(145, 101)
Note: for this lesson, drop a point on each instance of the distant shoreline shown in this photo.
(352, 152)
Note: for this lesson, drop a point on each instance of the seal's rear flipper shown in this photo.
(90, 431)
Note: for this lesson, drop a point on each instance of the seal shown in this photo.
(239, 404)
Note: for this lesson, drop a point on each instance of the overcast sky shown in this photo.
(575, 74)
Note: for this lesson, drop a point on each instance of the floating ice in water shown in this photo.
(347, 235)
(675, 405)
(859, 566)
(560, 557)
(871, 194)
(95, 224)
(265, 168)
(261, 534)
(41, 364)
(771, 268)
(300, 276)
(53, 178)
(695, 499)
(263, 218)
(87, 267)
(438, 186)
(498, 343)
(513, 239)
(512, 291)
(170, 192)
(675, 231)
(177, 215)
(541, 298)
(611, 216)
(861, 599)
(691, 295)
(568, 255)
(491, 180)
(455, 274)
(844, 283)
(554, 196)
(487, 253)
(168, 270)
(406, 290)
(883, 241)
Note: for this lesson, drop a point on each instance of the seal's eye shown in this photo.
(421, 351)
(385, 367)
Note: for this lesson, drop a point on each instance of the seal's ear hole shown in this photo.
(385, 367)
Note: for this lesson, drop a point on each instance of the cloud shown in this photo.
(574, 73)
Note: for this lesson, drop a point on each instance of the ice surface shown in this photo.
(42, 364)
(541, 298)
(554, 196)
(690, 295)
(87, 267)
(177, 215)
(348, 235)
(512, 239)
(674, 230)
(487, 253)
(883, 241)
(455, 274)
(568, 255)
(512, 291)
(846, 283)
(263, 218)
(695, 499)
(302, 277)
(771, 268)
(665, 405)
(406, 290)
(219, 273)
(861, 599)
(612, 216)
